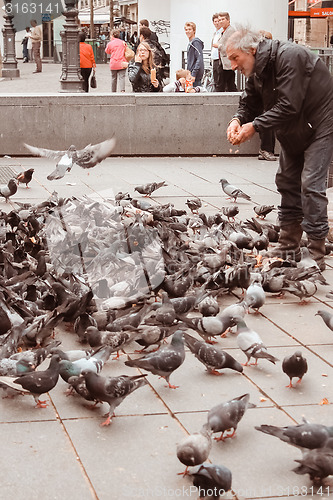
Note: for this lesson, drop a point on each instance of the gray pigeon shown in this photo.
(318, 463)
(195, 448)
(230, 211)
(251, 344)
(213, 359)
(226, 416)
(232, 191)
(209, 306)
(303, 289)
(327, 318)
(194, 204)
(295, 366)
(148, 189)
(86, 158)
(213, 481)
(165, 360)
(112, 390)
(263, 210)
(7, 190)
(93, 363)
(255, 296)
(304, 436)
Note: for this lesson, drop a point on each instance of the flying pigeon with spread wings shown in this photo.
(85, 158)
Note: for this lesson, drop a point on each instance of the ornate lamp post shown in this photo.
(71, 79)
(9, 69)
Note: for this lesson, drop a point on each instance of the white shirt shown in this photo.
(215, 51)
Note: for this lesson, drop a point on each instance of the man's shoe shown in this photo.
(265, 155)
(37, 71)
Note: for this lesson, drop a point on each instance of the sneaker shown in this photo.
(265, 155)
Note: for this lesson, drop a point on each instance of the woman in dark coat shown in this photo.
(142, 73)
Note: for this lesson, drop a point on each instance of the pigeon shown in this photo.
(226, 416)
(86, 158)
(251, 344)
(232, 191)
(213, 359)
(327, 318)
(25, 177)
(40, 382)
(93, 363)
(231, 211)
(263, 210)
(148, 189)
(208, 306)
(295, 366)
(255, 296)
(304, 436)
(195, 448)
(165, 360)
(116, 341)
(8, 190)
(165, 315)
(318, 463)
(14, 368)
(193, 204)
(303, 289)
(213, 481)
(112, 390)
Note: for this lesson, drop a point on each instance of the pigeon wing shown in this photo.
(91, 155)
(48, 153)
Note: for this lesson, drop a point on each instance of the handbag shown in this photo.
(93, 82)
(129, 53)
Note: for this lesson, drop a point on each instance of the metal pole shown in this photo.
(91, 28)
(9, 69)
(111, 15)
(71, 79)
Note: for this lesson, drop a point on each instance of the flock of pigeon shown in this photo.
(126, 271)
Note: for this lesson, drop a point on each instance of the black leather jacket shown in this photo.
(140, 80)
(290, 91)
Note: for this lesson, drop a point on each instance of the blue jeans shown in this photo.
(301, 180)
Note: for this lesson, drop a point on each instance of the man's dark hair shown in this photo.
(145, 32)
(82, 36)
(144, 22)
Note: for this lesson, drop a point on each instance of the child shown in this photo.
(179, 85)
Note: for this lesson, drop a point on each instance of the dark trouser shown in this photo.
(85, 72)
(267, 140)
(301, 181)
(36, 53)
(218, 75)
(228, 83)
(197, 82)
(25, 51)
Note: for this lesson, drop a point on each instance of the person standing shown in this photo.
(25, 45)
(36, 41)
(160, 56)
(87, 60)
(228, 75)
(145, 22)
(118, 63)
(289, 89)
(195, 62)
(217, 65)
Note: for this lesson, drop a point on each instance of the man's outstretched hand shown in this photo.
(237, 134)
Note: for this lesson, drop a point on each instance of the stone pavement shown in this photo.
(62, 452)
(48, 81)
